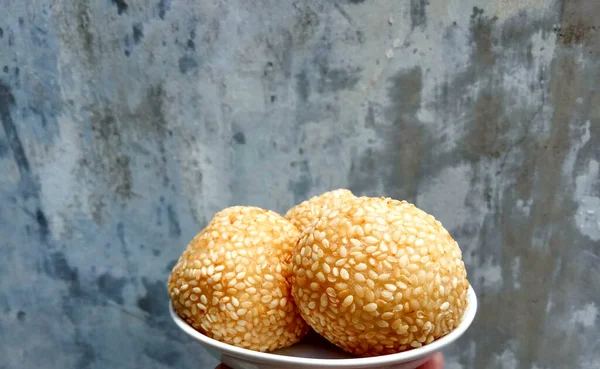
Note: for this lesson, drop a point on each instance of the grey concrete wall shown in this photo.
(127, 124)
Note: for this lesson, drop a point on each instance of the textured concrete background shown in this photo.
(127, 124)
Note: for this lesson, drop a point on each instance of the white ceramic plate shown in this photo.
(316, 352)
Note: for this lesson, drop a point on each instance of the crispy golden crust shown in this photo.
(303, 214)
(379, 276)
(231, 283)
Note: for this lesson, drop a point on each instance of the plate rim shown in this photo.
(400, 357)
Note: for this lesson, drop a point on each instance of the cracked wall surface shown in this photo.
(126, 125)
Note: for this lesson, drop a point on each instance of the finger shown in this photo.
(222, 366)
(435, 362)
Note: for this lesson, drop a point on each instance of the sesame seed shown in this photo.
(348, 300)
(370, 240)
(383, 246)
(359, 257)
(320, 277)
(361, 267)
(343, 252)
(341, 262)
(359, 277)
(412, 268)
(382, 324)
(359, 291)
(387, 316)
(324, 300)
(403, 262)
(370, 307)
(274, 303)
(371, 249)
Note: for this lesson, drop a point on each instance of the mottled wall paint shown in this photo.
(127, 124)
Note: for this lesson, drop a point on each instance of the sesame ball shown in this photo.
(308, 211)
(379, 276)
(231, 282)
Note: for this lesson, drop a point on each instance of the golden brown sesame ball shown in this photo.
(379, 276)
(231, 281)
(307, 211)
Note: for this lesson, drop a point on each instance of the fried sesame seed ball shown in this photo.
(379, 276)
(307, 211)
(231, 281)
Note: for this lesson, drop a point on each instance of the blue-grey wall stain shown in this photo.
(302, 86)
(163, 7)
(42, 223)
(4, 149)
(55, 266)
(126, 126)
(112, 287)
(174, 228)
(307, 23)
(337, 79)
(84, 30)
(418, 13)
(28, 185)
(121, 6)
(187, 63)
(239, 138)
(164, 355)
(11, 36)
(400, 163)
(138, 32)
(153, 302)
(300, 186)
(88, 355)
